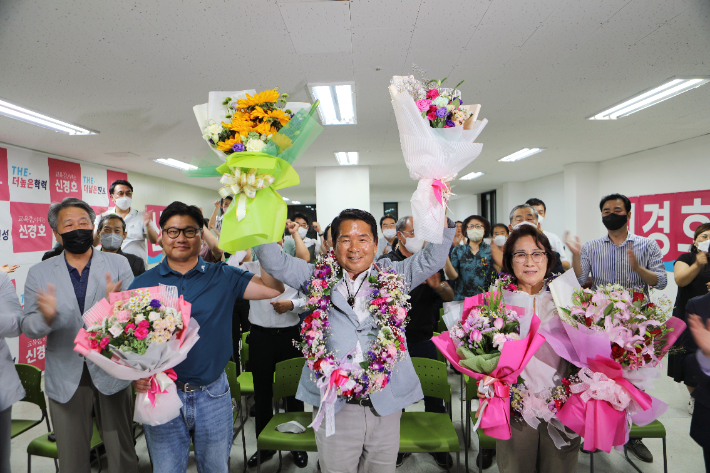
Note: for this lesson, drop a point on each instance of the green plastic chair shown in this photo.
(439, 356)
(430, 432)
(43, 447)
(654, 430)
(235, 391)
(441, 326)
(484, 441)
(286, 378)
(245, 378)
(31, 378)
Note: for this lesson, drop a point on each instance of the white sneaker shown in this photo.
(691, 405)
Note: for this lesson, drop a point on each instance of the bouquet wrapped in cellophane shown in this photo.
(259, 136)
(617, 337)
(142, 333)
(486, 345)
(437, 133)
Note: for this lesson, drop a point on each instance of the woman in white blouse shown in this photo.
(527, 256)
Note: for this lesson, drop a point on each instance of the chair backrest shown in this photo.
(432, 375)
(31, 378)
(244, 352)
(441, 325)
(287, 376)
(471, 389)
(439, 355)
(234, 388)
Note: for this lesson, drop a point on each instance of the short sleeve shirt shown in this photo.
(476, 272)
(136, 232)
(212, 289)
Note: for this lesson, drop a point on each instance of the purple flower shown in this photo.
(450, 123)
(441, 112)
(212, 142)
(155, 303)
(238, 148)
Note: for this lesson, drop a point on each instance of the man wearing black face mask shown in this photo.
(621, 258)
(82, 276)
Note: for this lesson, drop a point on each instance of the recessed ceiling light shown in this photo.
(337, 103)
(295, 202)
(669, 89)
(285, 198)
(19, 113)
(347, 159)
(176, 164)
(522, 154)
(471, 176)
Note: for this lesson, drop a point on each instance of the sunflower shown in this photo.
(280, 115)
(265, 129)
(227, 145)
(258, 112)
(242, 127)
(267, 96)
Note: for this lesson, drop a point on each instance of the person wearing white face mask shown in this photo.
(555, 241)
(312, 245)
(471, 266)
(139, 225)
(112, 231)
(389, 232)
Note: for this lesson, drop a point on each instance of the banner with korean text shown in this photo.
(670, 219)
(29, 182)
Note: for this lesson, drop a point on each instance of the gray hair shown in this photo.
(54, 209)
(108, 217)
(402, 223)
(523, 206)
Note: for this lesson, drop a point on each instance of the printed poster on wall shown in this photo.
(30, 228)
(4, 184)
(64, 179)
(671, 220)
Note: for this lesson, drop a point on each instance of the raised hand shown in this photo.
(700, 257)
(147, 217)
(701, 333)
(9, 269)
(47, 304)
(112, 286)
(316, 227)
(573, 244)
(292, 228)
(633, 262)
(434, 280)
(217, 203)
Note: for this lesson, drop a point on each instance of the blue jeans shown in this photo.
(206, 419)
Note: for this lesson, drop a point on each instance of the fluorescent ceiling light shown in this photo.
(522, 154)
(176, 164)
(470, 176)
(669, 89)
(285, 198)
(337, 103)
(295, 202)
(19, 113)
(347, 159)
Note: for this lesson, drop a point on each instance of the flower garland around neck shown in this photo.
(388, 305)
(507, 282)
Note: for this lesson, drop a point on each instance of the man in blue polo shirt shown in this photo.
(211, 288)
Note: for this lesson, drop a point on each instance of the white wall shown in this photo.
(549, 189)
(463, 207)
(341, 187)
(151, 190)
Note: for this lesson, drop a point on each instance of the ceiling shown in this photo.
(133, 70)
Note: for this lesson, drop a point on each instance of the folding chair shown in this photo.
(654, 430)
(31, 378)
(238, 411)
(286, 379)
(430, 432)
(245, 378)
(43, 447)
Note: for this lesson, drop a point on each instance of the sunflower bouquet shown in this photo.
(259, 136)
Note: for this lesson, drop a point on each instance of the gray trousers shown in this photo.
(73, 428)
(363, 442)
(5, 432)
(528, 447)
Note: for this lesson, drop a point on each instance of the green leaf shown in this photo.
(457, 85)
(364, 365)
(608, 309)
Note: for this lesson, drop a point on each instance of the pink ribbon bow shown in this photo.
(158, 386)
(328, 384)
(441, 191)
(598, 408)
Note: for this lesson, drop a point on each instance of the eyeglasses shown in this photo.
(173, 232)
(387, 226)
(303, 225)
(411, 234)
(124, 194)
(477, 226)
(521, 257)
(346, 242)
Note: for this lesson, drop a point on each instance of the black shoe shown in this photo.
(637, 447)
(266, 455)
(443, 459)
(300, 459)
(401, 457)
(487, 458)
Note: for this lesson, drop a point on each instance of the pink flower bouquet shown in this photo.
(512, 352)
(138, 334)
(617, 338)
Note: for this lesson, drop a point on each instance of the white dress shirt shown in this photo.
(262, 313)
(362, 300)
(136, 232)
(557, 245)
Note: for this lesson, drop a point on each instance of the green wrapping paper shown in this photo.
(266, 213)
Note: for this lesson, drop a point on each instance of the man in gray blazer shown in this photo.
(11, 389)
(366, 435)
(57, 293)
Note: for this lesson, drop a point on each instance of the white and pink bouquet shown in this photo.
(437, 135)
(142, 333)
(617, 338)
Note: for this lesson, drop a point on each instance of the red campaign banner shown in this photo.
(4, 184)
(113, 176)
(671, 220)
(64, 179)
(155, 252)
(32, 352)
(30, 229)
